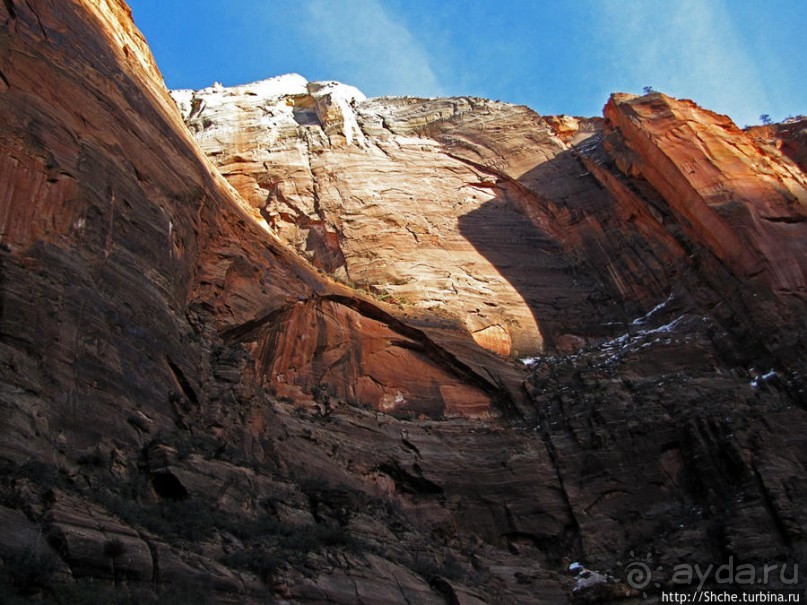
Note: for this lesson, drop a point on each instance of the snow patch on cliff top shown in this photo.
(344, 97)
(333, 102)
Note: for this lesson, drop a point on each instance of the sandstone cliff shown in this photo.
(271, 356)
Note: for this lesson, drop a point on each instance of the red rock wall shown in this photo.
(747, 208)
(146, 312)
(117, 239)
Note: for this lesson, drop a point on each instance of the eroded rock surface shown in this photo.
(523, 228)
(471, 207)
(191, 411)
(746, 207)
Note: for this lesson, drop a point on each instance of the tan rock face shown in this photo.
(179, 226)
(187, 405)
(374, 207)
(520, 227)
(750, 210)
(469, 207)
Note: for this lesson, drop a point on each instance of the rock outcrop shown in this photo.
(195, 408)
(530, 231)
(789, 137)
(747, 208)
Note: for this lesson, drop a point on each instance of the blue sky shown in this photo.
(739, 57)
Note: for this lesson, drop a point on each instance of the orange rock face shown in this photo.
(750, 210)
(789, 137)
(194, 410)
(468, 207)
(329, 347)
(411, 198)
(181, 227)
(374, 207)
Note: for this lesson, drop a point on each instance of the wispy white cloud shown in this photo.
(366, 46)
(687, 48)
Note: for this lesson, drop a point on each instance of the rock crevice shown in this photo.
(560, 342)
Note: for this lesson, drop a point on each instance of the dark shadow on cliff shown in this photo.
(539, 235)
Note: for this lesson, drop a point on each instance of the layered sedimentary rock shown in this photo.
(135, 214)
(192, 411)
(737, 207)
(470, 207)
(789, 138)
(125, 255)
(484, 211)
(382, 210)
(748, 209)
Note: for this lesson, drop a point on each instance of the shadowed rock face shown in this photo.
(426, 204)
(190, 410)
(425, 200)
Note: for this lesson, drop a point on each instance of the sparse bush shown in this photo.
(320, 394)
(308, 538)
(46, 476)
(452, 568)
(190, 519)
(425, 567)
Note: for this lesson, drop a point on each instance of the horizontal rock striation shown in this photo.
(474, 208)
(195, 408)
(537, 234)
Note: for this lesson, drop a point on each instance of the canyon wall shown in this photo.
(538, 234)
(262, 343)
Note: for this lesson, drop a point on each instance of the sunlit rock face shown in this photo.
(380, 208)
(748, 208)
(738, 204)
(517, 225)
(472, 208)
(192, 410)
